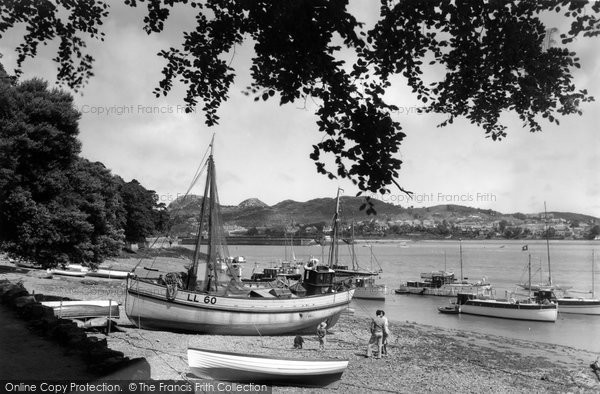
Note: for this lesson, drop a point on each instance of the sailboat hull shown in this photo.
(147, 307)
(509, 310)
(581, 306)
(375, 292)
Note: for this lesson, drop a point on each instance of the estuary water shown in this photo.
(503, 263)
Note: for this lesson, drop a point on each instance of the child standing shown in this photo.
(321, 332)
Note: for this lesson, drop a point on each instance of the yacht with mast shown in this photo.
(366, 286)
(535, 308)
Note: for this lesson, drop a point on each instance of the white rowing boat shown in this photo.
(262, 369)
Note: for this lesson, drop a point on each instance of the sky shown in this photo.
(262, 149)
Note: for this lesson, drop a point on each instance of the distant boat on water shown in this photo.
(259, 369)
(543, 285)
(366, 286)
(574, 305)
(445, 284)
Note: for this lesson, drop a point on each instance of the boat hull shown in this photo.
(110, 274)
(147, 307)
(74, 273)
(448, 290)
(264, 370)
(582, 306)
(508, 310)
(83, 309)
(375, 293)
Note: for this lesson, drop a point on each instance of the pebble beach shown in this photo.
(421, 359)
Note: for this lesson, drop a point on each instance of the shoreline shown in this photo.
(421, 358)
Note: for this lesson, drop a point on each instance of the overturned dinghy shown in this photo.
(84, 309)
(109, 273)
(259, 369)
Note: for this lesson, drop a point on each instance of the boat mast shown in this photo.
(193, 270)
(547, 244)
(333, 251)
(354, 262)
(461, 262)
(593, 274)
(529, 287)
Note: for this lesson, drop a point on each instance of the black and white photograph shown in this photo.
(300, 196)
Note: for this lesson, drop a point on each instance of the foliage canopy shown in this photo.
(492, 55)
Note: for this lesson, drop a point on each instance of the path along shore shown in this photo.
(422, 359)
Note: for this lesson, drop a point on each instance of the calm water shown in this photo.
(503, 263)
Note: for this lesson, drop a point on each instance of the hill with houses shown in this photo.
(313, 217)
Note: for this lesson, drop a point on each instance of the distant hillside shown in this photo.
(255, 213)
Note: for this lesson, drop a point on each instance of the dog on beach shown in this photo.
(298, 341)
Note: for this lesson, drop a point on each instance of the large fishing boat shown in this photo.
(218, 303)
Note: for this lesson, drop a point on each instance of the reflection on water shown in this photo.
(503, 263)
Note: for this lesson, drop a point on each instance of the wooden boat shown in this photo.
(362, 279)
(549, 284)
(83, 309)
(259, 369)
(108, 273)
(221, 303)
(580, 305)
(449, 309)
(536, 309)
(67, 272)
(368, 289)
(445, 284)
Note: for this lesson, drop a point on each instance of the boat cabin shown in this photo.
(462, 298)
(544, 296)
(318, 280)
(433, 280)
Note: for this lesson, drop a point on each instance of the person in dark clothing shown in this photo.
(377, 328)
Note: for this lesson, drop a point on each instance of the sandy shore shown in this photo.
(421, 358)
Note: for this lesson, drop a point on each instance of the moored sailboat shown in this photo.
(535, 309)
(575, 305)
(221, 304)
(549, 284)
(366, 287)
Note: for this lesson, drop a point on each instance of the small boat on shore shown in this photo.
(77, 271)
(238, 367)
(108, 273)
(84, 309)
